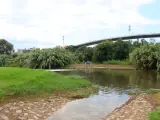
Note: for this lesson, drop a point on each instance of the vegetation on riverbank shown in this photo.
(148, 91)
(154, 115)
(44, 59)
(141, 54)
(107, 66)
(118, 62)
(146, 57)
(23, 82)
(154, 96)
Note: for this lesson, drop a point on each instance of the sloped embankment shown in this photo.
(136, 108)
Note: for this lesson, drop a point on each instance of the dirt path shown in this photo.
(31, 110)
(137, 108)
(107, 66)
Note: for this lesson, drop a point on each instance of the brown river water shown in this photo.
(113, 88)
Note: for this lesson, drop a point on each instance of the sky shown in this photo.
(43, 23)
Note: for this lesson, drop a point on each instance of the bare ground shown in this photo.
(107, 66)
(31, 110)
(136, 108)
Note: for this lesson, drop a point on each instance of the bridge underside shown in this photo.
(140, 36)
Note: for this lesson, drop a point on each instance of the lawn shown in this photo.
(24, 82)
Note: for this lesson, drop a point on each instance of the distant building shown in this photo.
(20, 51)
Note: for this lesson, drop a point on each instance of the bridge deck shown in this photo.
(121, 38)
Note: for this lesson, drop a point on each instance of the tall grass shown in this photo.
(118, 62)
(22, 82)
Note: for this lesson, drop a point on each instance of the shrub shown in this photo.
(44, 59)
(4, 60)
(145, 57)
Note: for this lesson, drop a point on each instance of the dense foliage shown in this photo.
(4, 60)
(44, 59)
(109, 50)
(5, 47)
(84, 54)
(146, 57)
(142, 54)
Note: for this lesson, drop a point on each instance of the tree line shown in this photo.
(142, 54)
(105, 51)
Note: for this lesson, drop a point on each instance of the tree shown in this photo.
(104, 51)
(121, 50)
(136, 44)
(5, 47)
(144, 42)
(4, 60)
(71, 48)
(146, 57)
(84, 53)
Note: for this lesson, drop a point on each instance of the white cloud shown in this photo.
(45, 21)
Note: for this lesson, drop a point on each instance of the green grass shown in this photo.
(117, 62)
(154, 115)
(149, 91)
(152, 91)
(24, 82)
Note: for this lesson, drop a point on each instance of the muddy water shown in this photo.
(113, 88)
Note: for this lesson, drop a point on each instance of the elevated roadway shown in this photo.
(139, 36)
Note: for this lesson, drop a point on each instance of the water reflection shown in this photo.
(120, 79)
(92, 108)
(113, 85)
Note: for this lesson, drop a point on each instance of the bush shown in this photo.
(44, 59)
(4, 60)
(145, 57)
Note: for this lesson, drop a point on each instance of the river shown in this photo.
(113, 88)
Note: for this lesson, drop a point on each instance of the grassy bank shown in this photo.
(154, 96)
(154, 115)
(117, 62)
(24, 82)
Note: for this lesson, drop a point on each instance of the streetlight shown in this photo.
(129, 29)
(63, 41)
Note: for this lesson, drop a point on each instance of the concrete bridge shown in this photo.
(139, 36)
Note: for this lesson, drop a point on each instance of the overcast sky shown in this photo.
(42, 23)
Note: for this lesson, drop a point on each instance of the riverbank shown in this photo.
(25, 82)
(105, 66)
(137, 107)
(39, 109)
(27, 94)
